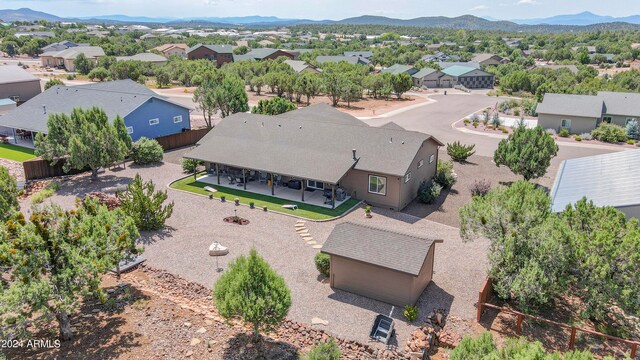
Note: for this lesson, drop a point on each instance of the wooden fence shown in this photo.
(485, 294)
(41, 169)
(182, 139)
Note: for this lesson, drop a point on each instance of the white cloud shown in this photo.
(479, 7)
(526, 2)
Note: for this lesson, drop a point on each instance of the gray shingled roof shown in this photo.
(220, 49)
(608, 180)
(364, 54)
(423, 72)
(397, 69)
(311, 143)
(377, 246)
(10, 74)
(618, 103)
(261, 53)
(484, 57)
(114, 97)
(446, 64)
(71, 53)
(350, 59)
(297, 65)
(146, 57)
(571, 105)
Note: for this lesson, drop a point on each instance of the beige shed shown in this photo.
(381, 264)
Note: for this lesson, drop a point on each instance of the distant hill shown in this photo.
(583, 18)
(585, 21)
(26, 14)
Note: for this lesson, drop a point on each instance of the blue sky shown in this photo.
(329, 9)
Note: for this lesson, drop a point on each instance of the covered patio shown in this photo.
(18, 137)
(285, 187)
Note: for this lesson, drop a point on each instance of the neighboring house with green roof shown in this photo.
(469, 77)
(398, 69)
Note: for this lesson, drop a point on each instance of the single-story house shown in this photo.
(36, 34)
(607, 180)
(432, 78)
(469, 77)
(583, 113)
(145, 113)
(573, 68)
(323, 149)
(608, 57)
(350, 59)
(397, 69)
(300, 66)
(363, 54)
(145, 57)
(489, 59)
(440, 56)
(66, 58)
(148, 36)
(262, 54)
(379, 263)
(18, 84)
(266, 43)
(590, 49)
(173, 49)
(59, 46)
(220, 54)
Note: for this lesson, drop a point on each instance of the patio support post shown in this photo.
(244, 179)
(218, 172)
(15, 139)
(273, 192)
(333, 196)
(302, 187)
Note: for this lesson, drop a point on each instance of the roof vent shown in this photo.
(279, 125)
(391, 140)
(263, 124)
(354, 154)
(245, 121)
(403, 143)
(300, 127)
(44, 109)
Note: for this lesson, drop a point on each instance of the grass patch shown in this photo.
(16, 153)
(311, 212)
(45, 193)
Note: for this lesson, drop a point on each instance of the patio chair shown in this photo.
(232, 180)
(262, 178)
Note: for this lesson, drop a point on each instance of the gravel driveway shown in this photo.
(197, 221)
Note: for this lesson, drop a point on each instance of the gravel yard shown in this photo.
(197, 221)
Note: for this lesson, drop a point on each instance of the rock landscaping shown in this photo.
(432, 334)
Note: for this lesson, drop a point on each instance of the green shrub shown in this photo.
(564, 133)
(631, 142)
(475, 125)
(504, 131)
(45, 193)
(53, 82)
(577, 138)
(480, 187)
(459, 152)
(324, 351)
(516, 112)
(466, 121)
(190, 165)
(71, 77)
(445, 175)
(145, 205)
(429, 191)
(410, 312)
(146, 151)
(323, 263)
(609, 133)
(633, 129)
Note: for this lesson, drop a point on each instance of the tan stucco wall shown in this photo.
(409, 190)
(24, 90)
(371, 281)
(579, 124)
(379, 283)
(356, 183)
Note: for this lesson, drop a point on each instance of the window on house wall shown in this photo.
(420, 163)
(565, 123)
(432, 158)
(129, 130)
(606, 119)
(628, 120)
(313, 184)
(154, 121)
(407, 177)
(377, 185)
(177, 119)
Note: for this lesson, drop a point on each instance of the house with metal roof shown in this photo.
(607, 180)
(378, 263)
(67, 58)
(469, 77)
(220, 54)
(145, 113)
(583, 113)
(17, 84)
(355, 60)
(318, 151)
(397, 69)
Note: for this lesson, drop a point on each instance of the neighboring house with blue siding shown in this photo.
(145, 113)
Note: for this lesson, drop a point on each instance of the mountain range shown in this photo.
(585, 21)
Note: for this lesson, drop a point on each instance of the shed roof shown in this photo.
(571, 105)
(608, 180)
(378, 246)
(620, 103)
(312, 143)
(10, 74)
(119, 97)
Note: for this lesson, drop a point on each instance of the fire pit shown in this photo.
(236, 220)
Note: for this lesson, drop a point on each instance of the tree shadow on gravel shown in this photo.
(242, 346)
(83, 185)
(152, 237)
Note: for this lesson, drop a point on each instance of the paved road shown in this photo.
(436, 119)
